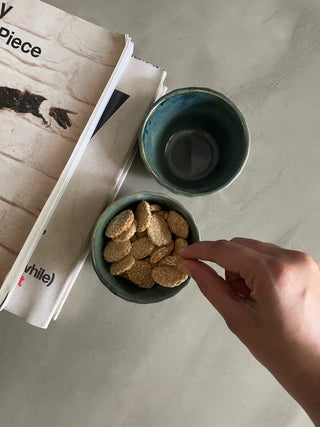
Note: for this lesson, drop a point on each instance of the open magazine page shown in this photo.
(49, 274)
(54, 68)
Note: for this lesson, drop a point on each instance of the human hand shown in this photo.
(270, 298)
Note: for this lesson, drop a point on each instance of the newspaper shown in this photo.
(58, 73)
(62, 250)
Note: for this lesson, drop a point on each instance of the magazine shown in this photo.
(58, 73)
(52, 269)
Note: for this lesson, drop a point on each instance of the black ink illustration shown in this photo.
(27, 102)
(61, 116)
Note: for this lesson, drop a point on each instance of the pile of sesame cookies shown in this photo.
(144, 245)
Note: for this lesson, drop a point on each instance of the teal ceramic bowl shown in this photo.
(194, 141)
(116, 284)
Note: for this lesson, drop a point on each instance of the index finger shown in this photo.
(229, 255)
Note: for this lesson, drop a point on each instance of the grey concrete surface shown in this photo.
(109, 363)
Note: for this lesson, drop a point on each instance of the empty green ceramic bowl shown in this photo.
(194, 141)
(116, 284)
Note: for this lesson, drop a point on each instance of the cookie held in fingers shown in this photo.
(173, 260)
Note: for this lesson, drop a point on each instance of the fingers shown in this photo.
(231, 256)
(262, 247)
(214, 288)
(240, 288)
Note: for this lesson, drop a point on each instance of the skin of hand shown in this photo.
(270, 298)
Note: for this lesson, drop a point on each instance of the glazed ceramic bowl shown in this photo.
(194, 141)
(119, 285)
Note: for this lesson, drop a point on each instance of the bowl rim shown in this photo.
(192, 89)
(143, 195)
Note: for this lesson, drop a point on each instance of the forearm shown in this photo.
(294, 362)
(300, 377)
(306, 391)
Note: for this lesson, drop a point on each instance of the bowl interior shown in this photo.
(118, 285)
(194, 141)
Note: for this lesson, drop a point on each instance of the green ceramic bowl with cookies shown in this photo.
(135, 246)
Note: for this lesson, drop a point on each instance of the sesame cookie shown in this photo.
(164, 214)
(161, 252)
(158, 231)
(155, 208)
(119, 223)
(127, 234)
(140, 273)
(141, 248)
(143, 216)
(122, 266)
(168, 276)
(125, 274)
(179, 244)
(173, 260)
(148, 283)
(178, 225)
(145, 245)
(115, 251)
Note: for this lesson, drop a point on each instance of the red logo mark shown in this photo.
(21, 280)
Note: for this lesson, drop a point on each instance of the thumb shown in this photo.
(216, 290)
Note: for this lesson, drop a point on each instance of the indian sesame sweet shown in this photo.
(119, 223)
(168, 276)
(142, 248)
(146, 251)
(143, 216)
(178, 225)
(158, 230)
(122, 266)
(115, 251)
